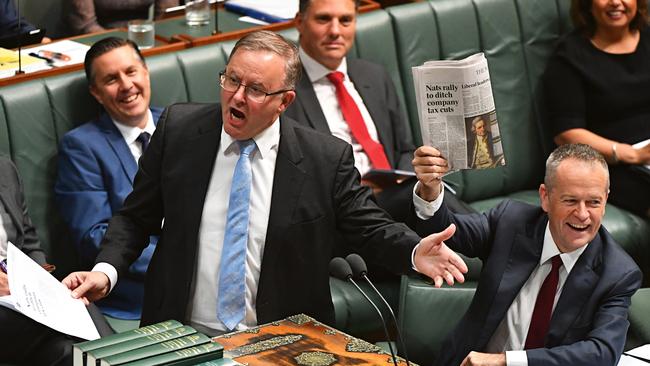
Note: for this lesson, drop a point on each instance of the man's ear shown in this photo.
(93, 91)
(287, 99)
(543, 197)
(297, 20)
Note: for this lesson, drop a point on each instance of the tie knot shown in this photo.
(143, 139)
(246, 146)
(556, 262)
(335, 77)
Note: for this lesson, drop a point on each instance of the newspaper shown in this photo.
(456, 111)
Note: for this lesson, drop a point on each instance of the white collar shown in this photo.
(315, 70)
(131, 133)
(266, 140)
(550, 250)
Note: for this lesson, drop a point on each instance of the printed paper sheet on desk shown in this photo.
(38, 295)
(75, 50)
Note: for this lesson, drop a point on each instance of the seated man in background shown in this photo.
(555, 286)
(9, 21)
(87, 16)
(353, 99)
(98, 160)
(252, 205)
(24, 341)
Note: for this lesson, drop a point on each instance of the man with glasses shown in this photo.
(248, 206)
(98, 160)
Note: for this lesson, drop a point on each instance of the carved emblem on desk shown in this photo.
(358, 345)
(300, 319)
(265, 345)
(315, 359)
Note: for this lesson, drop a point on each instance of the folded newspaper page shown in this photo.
(456, 111)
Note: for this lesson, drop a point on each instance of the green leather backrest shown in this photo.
(517, 36)
(427, 315)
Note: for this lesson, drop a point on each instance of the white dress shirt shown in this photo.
(326, 94)
(130, 134)
(203, 309)
(510, 335)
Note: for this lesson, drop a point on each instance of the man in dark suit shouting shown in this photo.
(555, 287)
(248, 206)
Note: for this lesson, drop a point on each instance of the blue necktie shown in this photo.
(231, 306)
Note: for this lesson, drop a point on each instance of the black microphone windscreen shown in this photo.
(357, 264)
(340, 269)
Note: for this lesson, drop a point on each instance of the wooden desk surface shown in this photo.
(301, 340)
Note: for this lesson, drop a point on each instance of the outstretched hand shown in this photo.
(434, 259)
(88, 286)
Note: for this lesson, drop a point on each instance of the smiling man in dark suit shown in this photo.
(252, 205)
(555, 287)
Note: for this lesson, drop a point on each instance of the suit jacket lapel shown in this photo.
(287, 186)
(119, 146)
(525, 254)
(576, 291)
(368, 93)
(310, 105)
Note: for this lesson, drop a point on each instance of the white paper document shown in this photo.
(639, 356)
(38, 295)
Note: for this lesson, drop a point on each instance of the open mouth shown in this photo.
(129, 99)
(578, 227)
(615, 13)
(237, 114)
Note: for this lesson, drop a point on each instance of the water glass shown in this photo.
(197, 12)
(141, 31)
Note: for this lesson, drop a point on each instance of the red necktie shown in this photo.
(541, 320)
(352, 116)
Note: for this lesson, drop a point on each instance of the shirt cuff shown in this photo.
(109, 271)
(425, 209)
(516, 358)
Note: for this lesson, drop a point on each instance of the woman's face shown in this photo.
(612, 14)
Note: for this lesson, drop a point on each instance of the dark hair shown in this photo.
(584, 20)
(581, 152)
(103, 46)
(274, 43)
(304, 5)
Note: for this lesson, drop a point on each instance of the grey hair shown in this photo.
(272, 42)
(580, 152)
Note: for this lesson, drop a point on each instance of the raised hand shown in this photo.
(429, 166)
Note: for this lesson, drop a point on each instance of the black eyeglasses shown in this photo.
(231, 84)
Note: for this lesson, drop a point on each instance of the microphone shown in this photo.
(359, 268)
(340, 269)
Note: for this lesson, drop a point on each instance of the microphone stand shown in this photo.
(358, 266)
(340, 269)
(20, 45)
(216, 18)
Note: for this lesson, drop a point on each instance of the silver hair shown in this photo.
(275, 43)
